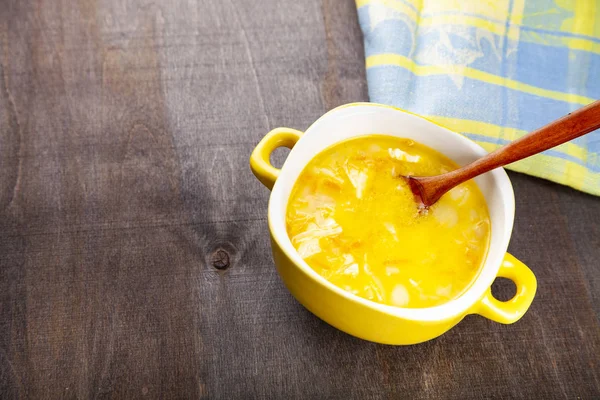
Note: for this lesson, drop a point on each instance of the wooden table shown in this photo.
(134, 252)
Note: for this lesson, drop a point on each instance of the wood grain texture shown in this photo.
(134, 253)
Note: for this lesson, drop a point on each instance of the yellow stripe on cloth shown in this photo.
(472, 73)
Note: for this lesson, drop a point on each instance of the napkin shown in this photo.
(491, 70)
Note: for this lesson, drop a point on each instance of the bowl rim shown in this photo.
(461, 305)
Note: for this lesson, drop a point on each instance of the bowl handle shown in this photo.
(510, 311)
(259, 160)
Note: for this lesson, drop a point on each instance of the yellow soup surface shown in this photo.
(355, 222)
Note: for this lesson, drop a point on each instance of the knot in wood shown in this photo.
(220, 259)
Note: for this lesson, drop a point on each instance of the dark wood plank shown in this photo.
(134, 253)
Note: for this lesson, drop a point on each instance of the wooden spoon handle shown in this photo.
(569, 127)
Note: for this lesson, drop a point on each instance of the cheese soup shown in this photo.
(355, 222)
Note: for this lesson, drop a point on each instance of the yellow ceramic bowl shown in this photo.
(364, 318)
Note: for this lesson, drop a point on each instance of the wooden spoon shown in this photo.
(429, 189)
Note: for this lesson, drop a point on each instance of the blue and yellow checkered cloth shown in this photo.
(492, 70)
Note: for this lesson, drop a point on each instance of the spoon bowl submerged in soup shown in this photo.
(355, 222)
